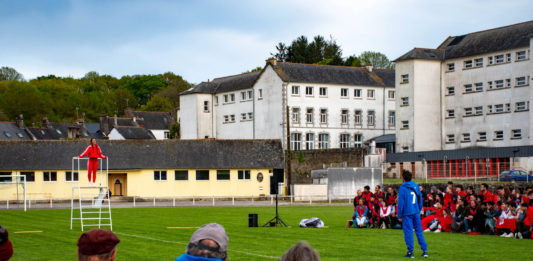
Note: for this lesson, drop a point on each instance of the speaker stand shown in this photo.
(276, 219)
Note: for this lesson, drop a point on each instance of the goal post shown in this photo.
(14, 184)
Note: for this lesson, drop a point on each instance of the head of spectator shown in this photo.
(500, 199)
(490, 206)
(473, 204)
(447, 212)
(470, 190)
(431, 196)
(484, 187)
(505, 206)
(359, 193)
(407, 175)
(421, 188)
(373, 197)
(378, 189)
(449, 190)
(391, 191)
(512, 206)
(367, 189)
(528, 189)
(506, 192)
(459, 188)
(433, 189)
(361, 202)
(97, 245)
(439, 204)
(460, 202)
(454, 199)
(6, 248)
(381, 199)
(500, 190)
(524, 207)
(530, 196)
(386, 203)
(483, 205)
(209, 242)
(450, 185)
(301, 251)
(438, 197)
(517, 193)
(440, 191)
(511, 198)
(480, 197)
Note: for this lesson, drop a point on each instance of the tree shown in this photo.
(376, 59)
(174, 131)
(158, 103)
(8, 74)
(144, 86)
(353, 60)
(333, 51)
(258, 68)
(316, 49)
(300, 50)
(281, 55)
(176, 85)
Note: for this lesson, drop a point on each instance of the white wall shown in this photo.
(115, 135)
(307, 192)
(405, 136)
(188, 116)
(269, 109)
(204, 118)
(238, 129)
(159, 134)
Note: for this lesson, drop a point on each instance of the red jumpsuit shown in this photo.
(94, 153)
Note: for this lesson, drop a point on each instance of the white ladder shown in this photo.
(93, 210)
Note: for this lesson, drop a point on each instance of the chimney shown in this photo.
(128, 113)
(207, 80)
(19, 121)
(45, 123)
(103, 124)
(272, 60)
(368, 67)
(134, 119)
(116, 124)
(80, 121)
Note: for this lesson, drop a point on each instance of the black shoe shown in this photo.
(409, 255)
(425, 254)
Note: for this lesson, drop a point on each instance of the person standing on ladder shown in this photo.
(94, 152)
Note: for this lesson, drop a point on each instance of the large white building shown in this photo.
(329, 106)
(472, 91)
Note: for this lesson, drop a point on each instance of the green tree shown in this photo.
(8, 74)
(281, 55)
(376, 59)
(158, 103)
(353, 60)
(176, 85)
(121, 99)
(144, 86)
(174, 131)
(299, 50)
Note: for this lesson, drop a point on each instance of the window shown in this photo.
(468, 64)
(160, 175)
(498, 135)
(344, 93)
(371, 115)
(358, 140)
(468, 111)
(521, 81)
(226, 118)
(490, 108)
(499, 84)
(243, 175)
(508, 82)
(479, 87)
(499, 58)
(405, 124)
(295, 114)
(296, 141)
(243, 116)
(405, 101)
(59, 132)
(405, 78)
(479, 110)
(344, 117)
(260, 93)
(345, 140)
(225, 98)
(202, 175)
(243, 96)
(181, 175)
(206, 106)
(250, 116)
(232, 97)
(490, 60)
(30, 176)
(223, 175)
(370, 94)
(323, 116)
(508, 57)
(482, 135)
(468, 87)
(450, 138)
(498, 107)
(323, 91)
(49, 176)
(295, 90)
(451, 113)
(310, 141)
(392, 94)
(68, 176)
(479, 62)
(521, 55)
(250, 95)
(451, 90)
(216, 100)
(521, 106)
(323, 141)
(508, 107)
(308, 91)
(517, 134)
(405, 149)
(466, 136)
(232, 117)
(490, 85)
(309, 116)
(358, 116)
(7, 134)
(451, 67)
(391, 118)
(357, 93)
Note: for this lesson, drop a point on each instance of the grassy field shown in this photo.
(144, 235)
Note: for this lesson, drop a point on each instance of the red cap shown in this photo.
(97, 241)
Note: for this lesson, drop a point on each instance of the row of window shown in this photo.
(48, 176)
(309, 116)
(482, 136)
(230, 98)
(497, 59)
(323, 92)
(9, 134)
(161, 175)
(498, 108)
(323, 141)
(499, 84)
(244, 117)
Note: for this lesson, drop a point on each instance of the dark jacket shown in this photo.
(461, 211)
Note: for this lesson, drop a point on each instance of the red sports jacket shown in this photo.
(94, 152)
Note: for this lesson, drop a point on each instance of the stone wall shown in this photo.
(303, 161)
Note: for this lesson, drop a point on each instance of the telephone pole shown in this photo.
(288, 152)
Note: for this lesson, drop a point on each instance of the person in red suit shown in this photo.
(94, 153)
(487, 196)
(367, 194)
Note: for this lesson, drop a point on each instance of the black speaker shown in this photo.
(252, 220)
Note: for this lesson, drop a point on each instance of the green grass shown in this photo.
(144, 235)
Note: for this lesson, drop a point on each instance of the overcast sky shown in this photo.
(201, 40)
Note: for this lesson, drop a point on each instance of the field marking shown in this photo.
(22, 232)
(181, 227)
(175, 242)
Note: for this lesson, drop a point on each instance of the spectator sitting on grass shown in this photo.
(301, 251)
(429, 205)
(469, 193)
(357, 198)
(359, 215)
(474, 218)
(391, 196)
(520, 227)
(6, 248)
(97, 245)
(505, 214)
(487, 196)
(458, 218)
(208, 243)
(378, 192)
(459, 190)
(492, 216)
(367, 194)
(385, 215)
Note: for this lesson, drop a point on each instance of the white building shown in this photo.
(329, 106)
(472, 91)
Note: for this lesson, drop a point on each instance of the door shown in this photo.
(118, 184)
(413, 169)
(275, 180)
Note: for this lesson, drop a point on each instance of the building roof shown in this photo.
(312, 73)
(92, 127)
(120, 122)
(154, 120)
(387, 138)
(423, 53)
(236, 82)
(43, 133)
(11, 129)
(203, 87)
(134, 133)
(146, 154)
(64, 127)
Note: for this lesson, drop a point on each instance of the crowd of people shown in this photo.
(507, 213)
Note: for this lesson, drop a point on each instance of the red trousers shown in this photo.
(92, 167)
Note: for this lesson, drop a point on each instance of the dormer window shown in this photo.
(7, 134)
(59, 132)
(20, 135)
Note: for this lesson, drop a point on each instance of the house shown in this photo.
(471, 91)
(130, 133)
(56, 131)
(13, 131)
(328, 106)
(148, 168)
(157, 123)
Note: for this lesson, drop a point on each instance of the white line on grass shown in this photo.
(174, 242)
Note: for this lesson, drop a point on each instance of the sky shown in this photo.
(202, 40)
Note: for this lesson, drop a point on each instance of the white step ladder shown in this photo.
(94, 207)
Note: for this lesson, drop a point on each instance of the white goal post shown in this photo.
(17, 183)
